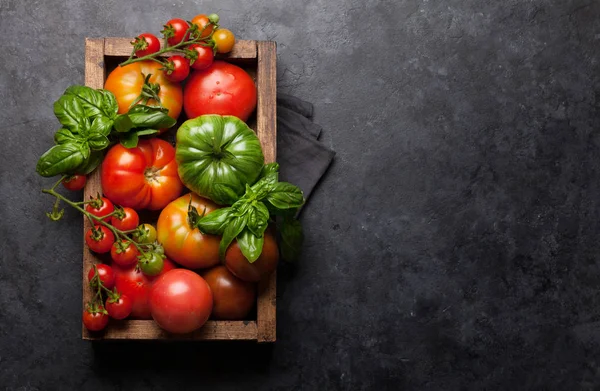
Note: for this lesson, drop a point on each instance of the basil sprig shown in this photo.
(90, 124)
(247, 219)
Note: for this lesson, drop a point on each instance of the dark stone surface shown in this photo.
(453, 244)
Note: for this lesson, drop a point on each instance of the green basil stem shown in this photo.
(100, 220)
(168, 49)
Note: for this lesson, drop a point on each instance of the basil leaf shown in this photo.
(250, 245)
(85, 150)
(123, 123)
(281, 212)
(291, 239)
(60, 159)
(143, 116)
(215, 222)
(129, 140)
(258, 219)
(92, 101)
(233, 229)
(284, 195)
(110, 107)
(63, 136)
(101, 125)
(98, 142)
(224, 193)
(70, 112)
(146, 132)
(91, 163)
(270, 172)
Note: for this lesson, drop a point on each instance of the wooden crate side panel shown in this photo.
(94, 78)
(266, 129)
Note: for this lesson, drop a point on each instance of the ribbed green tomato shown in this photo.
(217, 156)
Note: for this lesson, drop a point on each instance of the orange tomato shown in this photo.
(224, 40)
(201, 21)
(126, 84)
(182, 244)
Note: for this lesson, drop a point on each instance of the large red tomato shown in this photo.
(134, 284)
(232, 298)
(265, 264)
(144, 177)
(180, 301)
(184, 245)
(222, 88)
(126, 84)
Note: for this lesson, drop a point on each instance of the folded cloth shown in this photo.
(302, 159)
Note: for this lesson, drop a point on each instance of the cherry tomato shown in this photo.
(205, 27)
(188, 247)
(124, 253)
(101, 207)
(144, 177)
(136, 285)
(74, 182)
(119, 307)
(126, 84)
(99, 239)
(128, 221)
(180, 301)
(232, 298)
(265, 264)
(151, 264)
(146, 234)
(106, 274)
(222, 88)
(175, 30)
(95, 320)
(224, 40)
(204, 56)
(177, 68)
(145, 44)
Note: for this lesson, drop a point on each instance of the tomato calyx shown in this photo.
(95, 308)
(150, 91)
(152, 174)
(139, 43)
(97, 233)
(193, 216)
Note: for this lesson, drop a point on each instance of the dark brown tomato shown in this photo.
(232, 298)
(265, 264)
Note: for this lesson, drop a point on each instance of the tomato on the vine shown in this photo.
(119, 306)
(125, 219)
(124, 253)
(224, 39)
(145, 44)
(95, 319)
(99, 239)
(205, 27)
(144, 177)
(100, 207)
(151, 263)
(136, 285)
(145, 234)
(105, 273)
(175, 31)
(74, 182)
(177, 68)
(203, 57)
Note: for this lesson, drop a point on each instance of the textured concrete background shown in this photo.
(453, 245)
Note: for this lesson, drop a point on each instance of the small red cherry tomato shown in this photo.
(95, 319)
(124, 253)
(145, 44)
(100, 207)
(106, 274)
(177, 68)
(74, 182)
(203, 58)
(175, 31)
(119, 307)
(99, 239)
(125, 221)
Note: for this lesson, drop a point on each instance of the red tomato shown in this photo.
(265, 264)
(144, 177)
(180, 301)
(204, 25)
(146, 44)
(223, 89)
(177, 68)
(175, 30)
(204, 56)
(74, 182)
(188, 247)
(99, 239)
(136, 285)
(232, 298)
(127, 222)
(106, 274)
(119, 308)
(126, 84)
(124, 253)
(95, 320)
(101, 208)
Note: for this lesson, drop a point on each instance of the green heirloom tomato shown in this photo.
(217, 156)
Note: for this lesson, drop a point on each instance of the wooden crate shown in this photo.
(259, 59)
